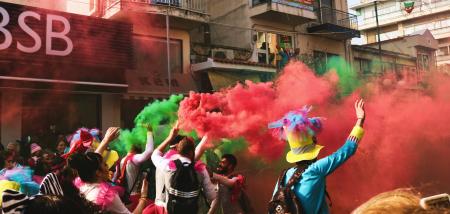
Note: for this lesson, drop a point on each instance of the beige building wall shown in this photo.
(309, 43)
(110, 110)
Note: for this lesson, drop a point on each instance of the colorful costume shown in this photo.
(299, 131)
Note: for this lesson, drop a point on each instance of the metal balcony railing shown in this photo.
(192, 5)
(337, 17)
(199, 6)
(296, 4)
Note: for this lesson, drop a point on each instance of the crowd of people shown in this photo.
(83, 175)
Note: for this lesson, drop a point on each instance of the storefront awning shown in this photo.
(223, 73)
(232, 65)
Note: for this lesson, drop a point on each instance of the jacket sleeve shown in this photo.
(327, 165)
(139, 158)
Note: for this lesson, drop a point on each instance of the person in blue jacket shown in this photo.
(300, 131)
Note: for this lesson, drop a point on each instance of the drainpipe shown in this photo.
(378, 33)
(169, 75)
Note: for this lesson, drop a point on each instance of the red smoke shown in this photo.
(405, 145)
(245, 110)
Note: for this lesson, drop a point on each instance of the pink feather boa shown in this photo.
(106, 193)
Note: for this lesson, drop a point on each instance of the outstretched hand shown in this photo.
(360, 112)
(359, 109)
(112, 133)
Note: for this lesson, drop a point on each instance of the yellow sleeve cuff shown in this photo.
(357, 132)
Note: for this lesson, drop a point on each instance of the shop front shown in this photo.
(59, 72)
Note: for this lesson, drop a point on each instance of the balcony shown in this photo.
(443, 59)
(292, 12)
(335, 24)
(184, 14)
(388, 18)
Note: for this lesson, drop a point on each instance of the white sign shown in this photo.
(49, 33)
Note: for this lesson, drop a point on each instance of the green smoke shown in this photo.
(159, 114)
(348, 78)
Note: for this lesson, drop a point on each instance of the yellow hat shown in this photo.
(5, 184)
(110, 157)
(302, 147)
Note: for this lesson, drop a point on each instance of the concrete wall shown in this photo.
(230, 23)
(110, 110)
(309, 43)
(11, 116)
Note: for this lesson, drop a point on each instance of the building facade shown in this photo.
(59, 72)
(252, 36)
(395, 21)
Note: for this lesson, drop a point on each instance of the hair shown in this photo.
(306, 163)
(231, 159)
(186, 148)
(61, 140)
(9, 154)
(176, 140)
(52, 204)
(136, 148)
(86, 165)
(397, 201)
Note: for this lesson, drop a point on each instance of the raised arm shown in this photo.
(139, 158)
(157, 157)
(169, 138)
(201, 147)
(327, 165)
(229, 182)
(360, 113)
(111, 134)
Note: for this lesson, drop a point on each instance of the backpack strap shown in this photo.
(281, 179)
(135, 180)
(295, 177)
(178, 163)
(124, 167)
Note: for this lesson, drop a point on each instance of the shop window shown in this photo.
(46, 115)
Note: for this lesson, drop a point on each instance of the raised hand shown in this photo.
(359, 109)
(112, 133)
(360, 112)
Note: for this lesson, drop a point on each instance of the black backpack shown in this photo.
(285, 201)
(184, 190)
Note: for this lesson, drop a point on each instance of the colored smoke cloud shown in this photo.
(405, 145)
(158, 114)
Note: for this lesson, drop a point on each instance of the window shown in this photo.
(321, 60)
(267, 43)
(152, 55)
(423, 62)
(443, 51)
(365, 66)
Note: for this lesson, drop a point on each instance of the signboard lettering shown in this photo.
(50, 34)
